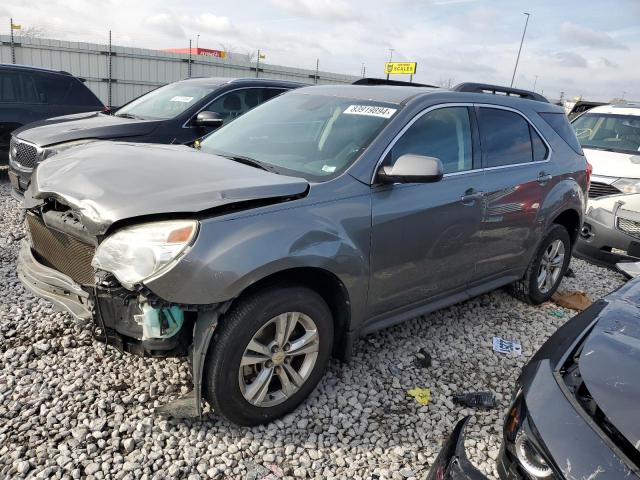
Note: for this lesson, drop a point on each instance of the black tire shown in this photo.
(526, 289)
(237, 327)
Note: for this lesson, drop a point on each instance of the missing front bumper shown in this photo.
(52, 285)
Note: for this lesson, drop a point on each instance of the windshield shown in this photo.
(605, 131)
(313, 136)
(164, 102)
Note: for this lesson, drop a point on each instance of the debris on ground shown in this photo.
(506, 346)
(570, 273)
(394, 370)
(423, 358)
(482, 400)
(556, 313)
(574, 300)
(422, 395)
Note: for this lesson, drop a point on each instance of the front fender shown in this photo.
(231, 254)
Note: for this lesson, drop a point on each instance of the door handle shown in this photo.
(544, 178)
(470, 196)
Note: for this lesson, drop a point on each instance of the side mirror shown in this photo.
(208, 119)
(412, 169)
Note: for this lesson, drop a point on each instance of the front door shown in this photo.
(421, 233)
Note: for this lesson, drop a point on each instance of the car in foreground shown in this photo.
(29, 94)
(610, 138)
(177, 113)
(611, 230)
(574, 413)
(322, 215)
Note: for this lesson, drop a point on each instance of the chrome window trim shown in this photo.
(473, 170)
(184, 125)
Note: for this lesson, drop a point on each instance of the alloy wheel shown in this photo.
(551, 266)
(279, 359)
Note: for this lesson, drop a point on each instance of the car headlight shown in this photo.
(61, 147)
(520, 441)
(136, 253)
(627, 185)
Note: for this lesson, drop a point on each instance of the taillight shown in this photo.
(105, 109)
(589, 171)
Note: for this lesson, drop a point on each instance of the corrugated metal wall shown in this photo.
(136, 71)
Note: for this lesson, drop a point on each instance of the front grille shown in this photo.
(598, 189)
(630, 227)
(61, 251)
(26, 154)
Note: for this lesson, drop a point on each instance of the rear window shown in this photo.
(560, 123)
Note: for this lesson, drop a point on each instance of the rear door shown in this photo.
(517, 178)
(422, 233)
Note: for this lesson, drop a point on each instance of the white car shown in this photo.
(610, 138)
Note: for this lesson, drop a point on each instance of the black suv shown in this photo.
(177, 113)
(28, 94)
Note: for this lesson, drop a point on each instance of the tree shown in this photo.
(33, 31)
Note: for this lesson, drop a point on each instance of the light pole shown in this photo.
(520, 49)
(197, 43)
(534, 83)
(390, 58)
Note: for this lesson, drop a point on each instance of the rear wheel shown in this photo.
(547, 267)
(270, 352)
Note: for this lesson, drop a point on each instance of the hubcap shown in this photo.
(279, 359)
(551, 266)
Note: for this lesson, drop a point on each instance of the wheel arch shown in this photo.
(332, 290)
(570, 219)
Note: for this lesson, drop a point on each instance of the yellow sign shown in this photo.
(15, 26)
(402, 68)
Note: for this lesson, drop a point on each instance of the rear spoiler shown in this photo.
(498, 90)
(384, 81)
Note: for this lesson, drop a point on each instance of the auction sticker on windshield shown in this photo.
(370, 110)
(178, 98)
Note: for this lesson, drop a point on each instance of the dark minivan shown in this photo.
(177, 113)
(28, 94)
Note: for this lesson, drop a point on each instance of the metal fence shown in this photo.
(118, 74)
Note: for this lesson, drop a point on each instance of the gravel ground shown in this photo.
(68, 409)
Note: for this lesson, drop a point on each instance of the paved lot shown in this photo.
(68, 409)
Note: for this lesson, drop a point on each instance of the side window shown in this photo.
(79, 94)
(233, 104)
(559, 122)
(28, 91)
(56, 88)
(540, 150)
(444, 133)
(8, 87)
(506, 137)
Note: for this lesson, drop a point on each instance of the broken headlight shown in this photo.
(136, 253)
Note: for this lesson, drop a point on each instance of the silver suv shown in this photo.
(320, 216)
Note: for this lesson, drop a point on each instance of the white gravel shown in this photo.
(70, 410)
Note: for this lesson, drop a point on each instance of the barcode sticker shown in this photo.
(370, 110)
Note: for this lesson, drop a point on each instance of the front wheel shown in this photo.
(269, 354)
(547, 267)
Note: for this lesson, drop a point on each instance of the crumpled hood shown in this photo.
(105, 182)
(83, 125)
(610, 361)
(613, 164)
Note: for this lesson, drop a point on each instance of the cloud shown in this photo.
(570, 59)
(165, 24)
(208, 22)
(605, 62)
(320, 9)
(580, 35)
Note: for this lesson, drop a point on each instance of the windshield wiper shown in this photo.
(249, 161)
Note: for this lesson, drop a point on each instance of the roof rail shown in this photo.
(498, 90)
(383, 81)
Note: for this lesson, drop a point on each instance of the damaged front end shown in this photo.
(61, 262)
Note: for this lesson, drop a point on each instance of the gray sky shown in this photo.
(581, 47)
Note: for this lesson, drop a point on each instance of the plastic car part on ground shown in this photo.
(422, 395)
(629, 269)
(574, 300)
(482, 400)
